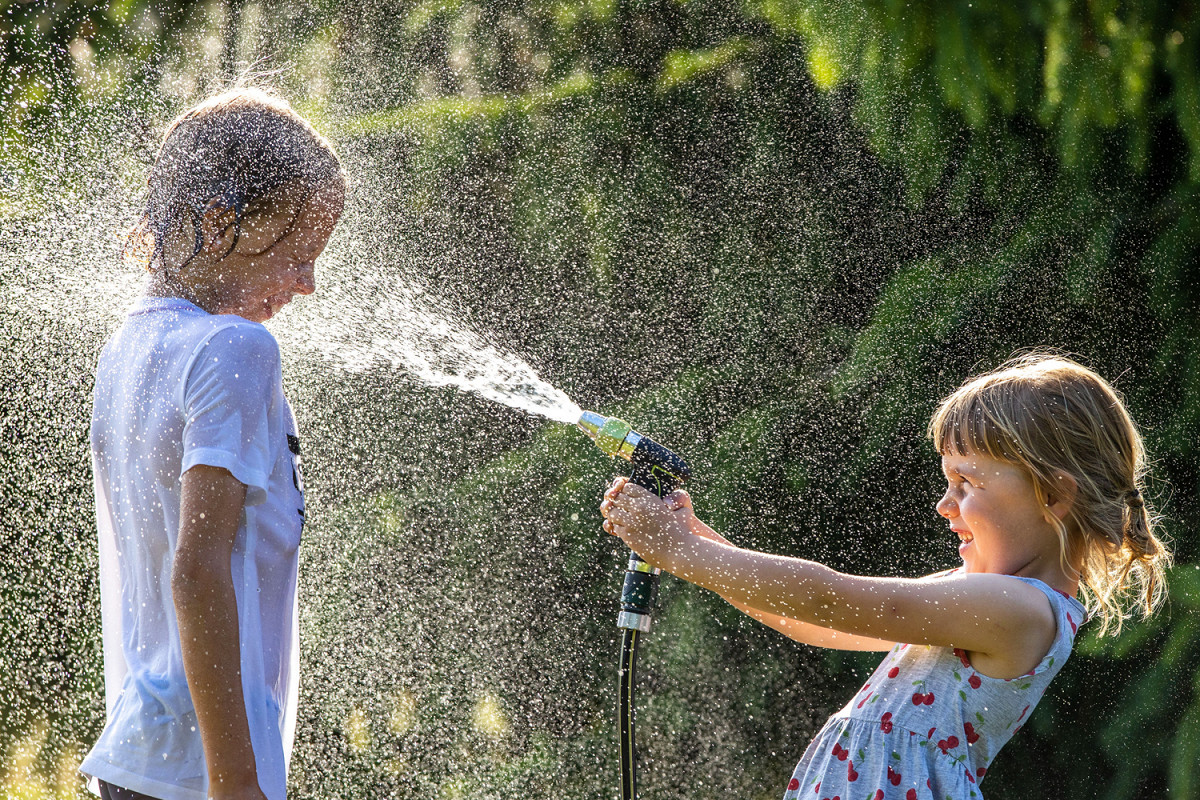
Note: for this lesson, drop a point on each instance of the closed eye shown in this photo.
(956, 479)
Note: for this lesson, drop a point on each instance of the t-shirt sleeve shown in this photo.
(227, 397)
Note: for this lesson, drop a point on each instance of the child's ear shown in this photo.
(1061, 495)
(218, 223)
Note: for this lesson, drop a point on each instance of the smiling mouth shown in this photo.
(965, 536)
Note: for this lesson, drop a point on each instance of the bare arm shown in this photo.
(1010, 623)
(803, 632)
(807, 633)
(206, 609)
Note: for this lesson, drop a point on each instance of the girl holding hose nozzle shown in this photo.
(1044, 470)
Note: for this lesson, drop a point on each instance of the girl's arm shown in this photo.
(206, 609)
(802, 632)
(1007, 622)
(815, 635)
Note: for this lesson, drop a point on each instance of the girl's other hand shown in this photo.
(244, 793)
(653, 527)
(681, 501)
(610, 497)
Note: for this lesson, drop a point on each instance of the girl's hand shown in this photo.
(610, 497)
(651, 526)
(681, 500)
(229, 793)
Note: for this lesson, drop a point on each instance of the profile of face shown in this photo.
(273, 258)
(993, 508)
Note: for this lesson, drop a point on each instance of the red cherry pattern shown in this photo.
(962, 656)
(948, 744)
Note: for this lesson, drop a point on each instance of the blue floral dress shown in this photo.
(926, 726)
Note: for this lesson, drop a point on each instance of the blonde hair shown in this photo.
(239, 146)
(1048, 414)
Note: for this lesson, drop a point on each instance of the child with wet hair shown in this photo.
(1045, 472)
(196, 461)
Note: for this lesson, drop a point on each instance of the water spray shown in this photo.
(658, 470)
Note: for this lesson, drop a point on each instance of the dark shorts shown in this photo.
(110, 792)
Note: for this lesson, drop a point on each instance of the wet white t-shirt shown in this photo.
(176, 387)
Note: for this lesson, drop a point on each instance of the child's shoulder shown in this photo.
(1066, 607)
(238, 346)
(241, 332)
(229, 345)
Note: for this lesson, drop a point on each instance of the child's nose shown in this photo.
(947, 507)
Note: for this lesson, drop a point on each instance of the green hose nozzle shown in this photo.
(616, 437)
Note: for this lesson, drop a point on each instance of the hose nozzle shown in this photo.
(654, 467)
(661, 471)
(616, 437)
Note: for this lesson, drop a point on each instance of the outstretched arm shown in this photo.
(206, 610)
(1007, 621)
(803, 632)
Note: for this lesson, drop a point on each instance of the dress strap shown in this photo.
(1069, 614)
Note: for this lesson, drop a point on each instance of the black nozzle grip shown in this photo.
(656, 468)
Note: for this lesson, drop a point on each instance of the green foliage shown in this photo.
(930, 73)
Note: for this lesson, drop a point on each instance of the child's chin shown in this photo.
(968, 561)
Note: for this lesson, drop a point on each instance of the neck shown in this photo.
(163, 285)
(1052, 572)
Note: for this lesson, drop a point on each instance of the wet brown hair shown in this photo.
(1046, 413)
(239, 147)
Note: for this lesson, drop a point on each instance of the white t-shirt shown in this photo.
(176, 387)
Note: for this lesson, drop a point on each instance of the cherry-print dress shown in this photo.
(926, 726)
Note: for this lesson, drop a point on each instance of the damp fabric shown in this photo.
(177, 387)
(926, 725)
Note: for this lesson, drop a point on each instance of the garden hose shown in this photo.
(660, 471)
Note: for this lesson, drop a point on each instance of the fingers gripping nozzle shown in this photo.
(656, 469)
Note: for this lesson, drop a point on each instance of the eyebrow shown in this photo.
(965, 471)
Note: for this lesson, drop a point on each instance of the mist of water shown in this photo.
(351, 324)
(355, 328)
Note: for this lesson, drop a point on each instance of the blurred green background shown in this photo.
(771, 234)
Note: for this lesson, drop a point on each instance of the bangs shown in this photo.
(966, 423)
